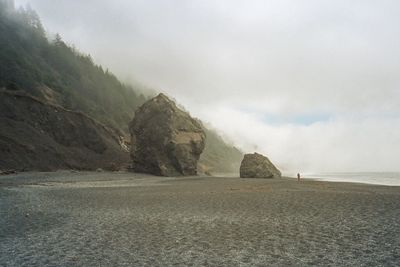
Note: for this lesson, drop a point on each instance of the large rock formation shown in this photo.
(165, 140)
(35, 135)
(258, 166)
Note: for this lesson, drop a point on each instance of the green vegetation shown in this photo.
(218, 156)
(59, 73)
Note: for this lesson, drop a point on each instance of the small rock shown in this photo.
(6, 172)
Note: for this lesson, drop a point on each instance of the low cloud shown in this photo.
(336, 144)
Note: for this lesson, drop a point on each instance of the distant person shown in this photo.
(298, 177)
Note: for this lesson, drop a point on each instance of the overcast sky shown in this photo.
(313, 84)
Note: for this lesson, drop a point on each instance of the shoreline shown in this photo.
(315, 179)
(58, 174)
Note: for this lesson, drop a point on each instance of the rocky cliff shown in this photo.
(35, 135)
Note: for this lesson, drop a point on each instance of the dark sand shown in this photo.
(122, 219)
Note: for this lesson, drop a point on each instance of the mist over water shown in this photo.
(380, 178)
(313, 85)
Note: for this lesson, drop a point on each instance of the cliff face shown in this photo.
(165, 140)
(35, 135)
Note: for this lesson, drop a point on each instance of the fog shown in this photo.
(313, 84)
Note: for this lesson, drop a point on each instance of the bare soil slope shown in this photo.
(35, 135)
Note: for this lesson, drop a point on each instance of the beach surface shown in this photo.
(125, 219)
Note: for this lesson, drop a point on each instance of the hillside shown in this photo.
(58, 74)
(219, 157)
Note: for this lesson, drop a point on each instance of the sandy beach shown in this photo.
(125, 219)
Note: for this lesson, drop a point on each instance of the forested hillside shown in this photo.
(47, 68)
(53, 70)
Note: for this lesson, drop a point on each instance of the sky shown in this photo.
(312, 84)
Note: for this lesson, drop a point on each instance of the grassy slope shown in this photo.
(219, 156)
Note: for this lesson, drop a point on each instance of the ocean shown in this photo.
(381, 178)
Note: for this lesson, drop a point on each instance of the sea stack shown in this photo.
(258, 166)
(165, 140)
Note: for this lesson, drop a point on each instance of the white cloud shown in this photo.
(337, 144)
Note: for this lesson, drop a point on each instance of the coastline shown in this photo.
(70, 175)
(373, 178)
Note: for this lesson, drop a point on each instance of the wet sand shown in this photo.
(124, 219)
